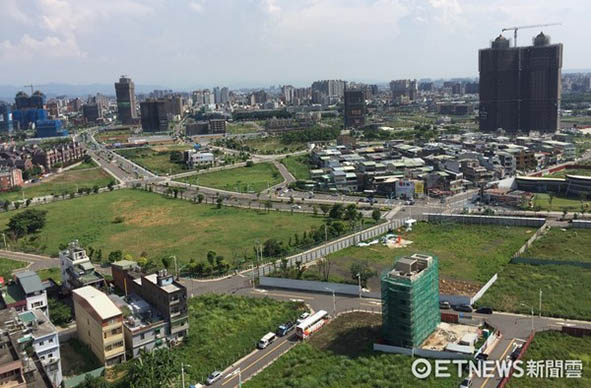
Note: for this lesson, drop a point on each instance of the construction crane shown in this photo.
(30, 86)
(525, 27)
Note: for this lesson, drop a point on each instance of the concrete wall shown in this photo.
(581, 224)
(421, 352)
(484, 288)
(485, 220)
(531, 240)
(308, 285)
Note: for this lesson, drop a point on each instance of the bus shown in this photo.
(311, 324)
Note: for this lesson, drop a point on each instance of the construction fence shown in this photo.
(485, 220)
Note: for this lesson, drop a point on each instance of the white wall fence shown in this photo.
(484, 288)
(485, 220)
(581, 224)
(426, 353)
(531, 240)
(313, 286)
(489, 341)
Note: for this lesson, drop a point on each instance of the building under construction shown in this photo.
(520, 86)
(410, 300)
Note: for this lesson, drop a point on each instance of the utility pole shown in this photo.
(325, 233)
(334, 302)
(540, 311)
(359, 281)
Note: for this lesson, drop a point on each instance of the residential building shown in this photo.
(354, 112)
(77, 270)
(92, 112)
(10, 177)
(64, 154)
(5, 118)
(155, 115)
(24, 293)
(404, 88)
(195, 158)
(410, 300)
(99, 324)
(49, 128)
(29, 351)
(126, 105)
(160, 290)
(520, 87)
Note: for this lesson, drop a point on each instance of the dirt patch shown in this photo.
(395, 243)
(446, 333)
(350, 334)
(458, 287)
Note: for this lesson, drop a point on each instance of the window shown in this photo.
(41, 343)
(142, 336)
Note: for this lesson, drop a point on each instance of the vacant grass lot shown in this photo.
(63, 183)
(569, 171)
(84, 165)
(340, 355)
(560, 204)
(256, 178)
(224, 328)
(568, 245)
(77, 358)
(565, 290)
(466, 252)
(161, 226)
(111, 137)
(272, 145)
(552, 345)
(154, 159)
(298, 166)
(241, 127)
(8, 265)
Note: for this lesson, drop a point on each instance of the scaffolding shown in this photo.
(410, 295)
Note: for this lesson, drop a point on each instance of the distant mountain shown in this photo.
(7, 92)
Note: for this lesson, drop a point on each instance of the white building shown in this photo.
(77, 270)
(197, 158)
(46, 343)
(25, 293)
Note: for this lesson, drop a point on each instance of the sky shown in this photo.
(185, 44)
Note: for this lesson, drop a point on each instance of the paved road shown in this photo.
(38, 262)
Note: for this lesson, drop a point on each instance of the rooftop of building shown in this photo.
(141, 313)
(410, 267)
(98, 301)
(29, 281)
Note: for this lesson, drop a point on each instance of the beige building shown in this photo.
(100, 324)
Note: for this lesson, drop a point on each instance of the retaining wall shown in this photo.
(309, 285)
(581, 224)
(421, 352)
(485, 220)
(484, 288)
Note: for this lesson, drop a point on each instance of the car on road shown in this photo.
(467, 383)
(463, 308)
(302, 317)
(267, 340)
(482, 356)
(285, 328)
(213, 377)
(444, 305)
(484, 310)
(515, 353)
(297, 207)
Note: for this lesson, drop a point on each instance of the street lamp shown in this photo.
(540, 311)
(236, 372)
(532, 314)
(359, 282)
(183, 373)
(334, 302)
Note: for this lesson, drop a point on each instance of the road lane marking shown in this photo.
(255, 361)
(500, 358)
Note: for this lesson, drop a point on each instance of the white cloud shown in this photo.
(31, 48)
(196, 6)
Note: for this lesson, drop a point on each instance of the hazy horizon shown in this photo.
(257, 43)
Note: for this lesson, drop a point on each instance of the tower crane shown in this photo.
(30, 86)
(525, 27)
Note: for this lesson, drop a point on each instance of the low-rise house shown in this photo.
(99, 324)
(24, 293)
(10, 177)
(77, 270)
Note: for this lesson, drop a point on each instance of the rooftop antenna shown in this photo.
(30, 86)
(516, 28)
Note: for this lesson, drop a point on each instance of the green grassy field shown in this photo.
(568, 245)
(467, 253)
(565, 290)
(110, 137)
(241, 127)
(272, 145)
(155, 159)
(8, 265)
(224, 328)
(298, 166)
(560, 204)
(553, 345)
(160, 226)
(256, 178)
(84, 165)
(62, 183)
(51, 273)
(340, 355)
(569, 171)
(77, 358)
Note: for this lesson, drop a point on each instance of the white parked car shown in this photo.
(302, 317)
(213, 377)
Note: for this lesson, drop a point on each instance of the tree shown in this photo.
(272, 248)
(324, 265)
(325, 208)
(268, 205)
(364, 270)
(27, 222)
(115, 256)
(376, 214)
(93, 382)
(176, 157)
(211, 257)
(200, 198)
(5, 205)
(315, 210)
(550, 199)
(219, 202)
(351, 212)
(166, 261)
(155, 369)
(95, 189)
(336, 211)
(60, 313)
(220, 265)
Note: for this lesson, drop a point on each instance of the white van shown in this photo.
(266, 340)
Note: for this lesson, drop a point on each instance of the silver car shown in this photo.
(213, 377)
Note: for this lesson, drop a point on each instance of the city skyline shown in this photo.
(202, 43)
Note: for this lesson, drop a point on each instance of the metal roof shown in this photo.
(30, 282)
